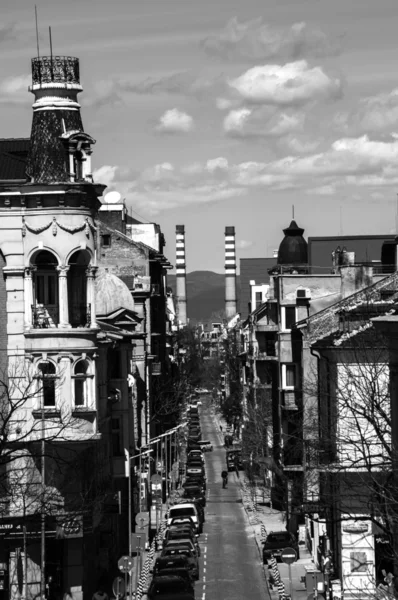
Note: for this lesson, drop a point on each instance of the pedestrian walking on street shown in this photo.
(224, 476)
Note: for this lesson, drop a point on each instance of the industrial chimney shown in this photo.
(230, 273)
(181, 284)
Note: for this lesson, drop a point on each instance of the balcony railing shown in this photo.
(44, 316)
(57, 69)
(47, 317)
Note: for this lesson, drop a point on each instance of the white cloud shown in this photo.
(175, 121)
(290, 84)
(15, 89)
(223, 103)
(373, 114)
(105, 175)
(236, 119)
(263, 121)
(243, 244)
(359, 162)
(255, 40)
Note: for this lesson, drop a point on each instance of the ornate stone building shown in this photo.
(67, 351)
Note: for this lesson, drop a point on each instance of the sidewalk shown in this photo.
(263, 520)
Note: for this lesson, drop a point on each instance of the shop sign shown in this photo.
(356, 527)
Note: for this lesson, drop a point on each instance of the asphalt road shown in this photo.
(230, 567)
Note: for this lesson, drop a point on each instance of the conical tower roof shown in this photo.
(293, 249)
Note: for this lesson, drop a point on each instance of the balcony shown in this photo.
(47, 316)
(289, 400)
(57, 69)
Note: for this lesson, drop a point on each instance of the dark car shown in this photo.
(183, 521)
(195, 492)
(183, 551)
(186, 542)
(276, 541)
(181, 533)
(177, 565)
(199, 480)
(170, 587)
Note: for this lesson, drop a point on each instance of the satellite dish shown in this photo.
(112, 197)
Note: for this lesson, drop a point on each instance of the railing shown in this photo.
(47, 317)
(44, 317)
(57, 69)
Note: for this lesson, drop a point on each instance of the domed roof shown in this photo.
(111, 293)
(293, 249)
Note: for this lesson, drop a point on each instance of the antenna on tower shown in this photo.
(51, 44)
(293, 211)
(37, 34)
(341, 220)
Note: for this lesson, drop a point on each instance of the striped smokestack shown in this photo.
(181, 284)
(230, 273)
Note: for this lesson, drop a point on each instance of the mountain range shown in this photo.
(205, 294)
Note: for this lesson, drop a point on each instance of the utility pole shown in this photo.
(43, 511)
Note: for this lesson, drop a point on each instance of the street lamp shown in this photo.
(128, 475)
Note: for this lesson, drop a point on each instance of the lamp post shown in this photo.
(128, 475)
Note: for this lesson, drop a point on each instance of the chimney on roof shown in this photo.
(60, 151)
(230, 273)
(181, 281)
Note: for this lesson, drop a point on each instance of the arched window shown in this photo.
(47, 378)
(45, 290)
(79, 311)
(82, 382)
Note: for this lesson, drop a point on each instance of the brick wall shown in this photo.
(122, 257)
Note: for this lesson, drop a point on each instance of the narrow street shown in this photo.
(230, 564)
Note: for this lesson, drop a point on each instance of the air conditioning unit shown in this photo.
(303, 294)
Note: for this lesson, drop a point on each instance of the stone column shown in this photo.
(91, 273)
(63, 319)
(28, 296)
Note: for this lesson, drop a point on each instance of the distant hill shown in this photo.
(205, 293)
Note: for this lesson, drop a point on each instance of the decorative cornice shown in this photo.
(87, 226)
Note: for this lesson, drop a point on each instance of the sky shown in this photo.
(222, 112)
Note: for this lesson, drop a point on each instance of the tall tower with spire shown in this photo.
(49, 329)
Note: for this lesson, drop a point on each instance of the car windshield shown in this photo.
(278, 537)
(175, 551)
(182, 512)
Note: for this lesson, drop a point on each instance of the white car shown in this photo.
(184, 510)
(205, 445)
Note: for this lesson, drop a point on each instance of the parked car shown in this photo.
(194, 492)
(276, 541)
(173, 565)
(185, 510)
(170, 587)
(186, 542)
(199, 480)
(196, 454)
(183, 522)
(181, 533)
(181, 551)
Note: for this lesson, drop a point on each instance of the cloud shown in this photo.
(285, 85)
(373, 114)
(175, 121)
(358, 162)
(256, 40)
(263, 121)
(15, 89)
(243, 244)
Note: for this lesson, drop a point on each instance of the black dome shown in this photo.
(293, 249)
